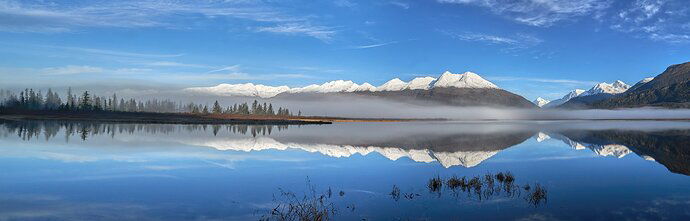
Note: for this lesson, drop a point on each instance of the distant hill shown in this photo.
(669, 89)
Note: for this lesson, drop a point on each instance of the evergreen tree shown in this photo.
(71, 100)
(114, 106)
(85, 101)
(270, 110)
(255, 106)
(216, 108)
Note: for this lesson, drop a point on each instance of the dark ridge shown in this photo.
(670, 89)
(464, 97)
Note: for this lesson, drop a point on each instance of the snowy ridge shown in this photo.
(446, 159)
(465, 80)
(565, 98)
(447, 79)
(616, 87)
(540, 101)
(645, 80)
(393, 85)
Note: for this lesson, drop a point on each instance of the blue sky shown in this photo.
(530, 47)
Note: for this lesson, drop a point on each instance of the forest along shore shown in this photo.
(158, 118)
(183, 118)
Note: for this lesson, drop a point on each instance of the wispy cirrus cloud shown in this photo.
(400, 4)
(375, 45)
(322, 33)
(233, 68)
(665, 21)
(541, 13)
(174, 64)
(515, 42)
(108, 52)
(72, 69)
(38, 16)
(345, 3)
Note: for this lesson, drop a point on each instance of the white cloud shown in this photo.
(129, 14)
(375, 45)
(345, 3)
(72, 69)
(658, 20)
(542, 13)
(16, 16)
(518, 41)
(234, 68)
(112, 52)
(319, 32)
(401, 4)
(174, 64)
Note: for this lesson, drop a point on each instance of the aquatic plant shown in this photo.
(435, 184)
(311, 206)
(538, 196)
(395, 193)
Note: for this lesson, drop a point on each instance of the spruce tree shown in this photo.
(216, 108)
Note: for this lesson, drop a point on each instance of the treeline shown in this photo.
(30, 99)
(256, 108)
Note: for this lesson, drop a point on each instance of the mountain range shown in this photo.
(467, 89)
(669, 89)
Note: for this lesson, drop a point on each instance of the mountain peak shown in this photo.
(420, 83)
(394, 84)
(465, 80)
(447, 79)
(540, 101)
(645, 80)
(616, 87)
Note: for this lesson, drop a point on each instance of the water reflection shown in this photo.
(669, 147)
(321, 205)
(449, 144)
(29, 129)
(229, 172)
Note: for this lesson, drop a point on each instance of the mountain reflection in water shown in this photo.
(450, 144)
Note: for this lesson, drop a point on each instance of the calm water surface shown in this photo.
(569, 170)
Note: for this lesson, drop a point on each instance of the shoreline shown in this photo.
(185, 118)
(158, 118)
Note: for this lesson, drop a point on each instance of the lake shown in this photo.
(516, 170)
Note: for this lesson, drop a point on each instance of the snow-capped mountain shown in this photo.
(393, 85)
(540, 101)
(645, 80)
(465, 80)
(446, 80)
(565, 98)
(601, 91)
(668, 89)
(422, 83)
(616, 87)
